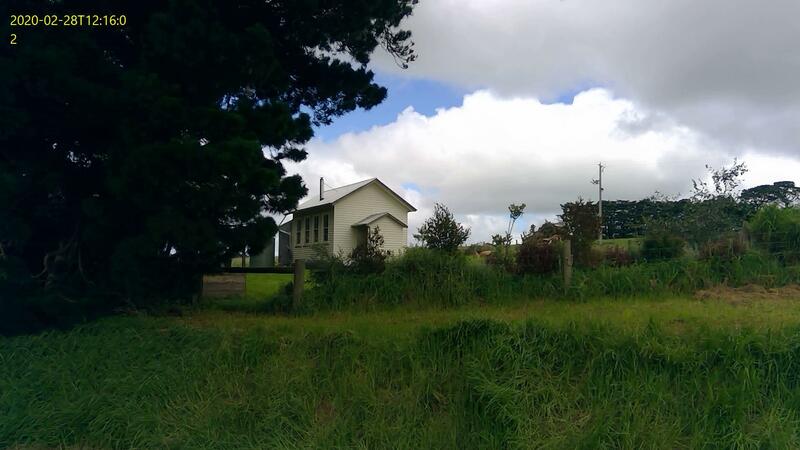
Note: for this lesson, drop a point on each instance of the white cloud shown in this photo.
(729, 69)
(697, 83)
(769, 169)
(491, 151)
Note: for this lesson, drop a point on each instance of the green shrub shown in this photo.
(420, 260)
(325, 267)
(680, 277)
(472, 249)
(582, 226)
(537, 257)
(725, 248)
(369, 257)
(503, 254)
(421, 276)
(658, 246)
(778, 231)
(616, 256)
(441, 231)
(424, 277)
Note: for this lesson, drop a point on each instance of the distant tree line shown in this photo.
(629, 218)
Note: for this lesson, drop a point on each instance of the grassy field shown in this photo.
(716, 372)
(630, 244)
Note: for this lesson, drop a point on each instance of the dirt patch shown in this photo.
(749, 293)
(324, 412)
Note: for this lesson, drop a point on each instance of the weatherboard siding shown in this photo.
(395, 236)
(368, 200)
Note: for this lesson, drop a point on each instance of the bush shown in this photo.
(280, 302)
(725, 248)
(502, 256)
(422, 261)
(537, 257)
(442, 232)
(778, 231)
(419, 276)
(326, 266)
(473, 249)
(549, 230)
(423, 277)
(616, 256)
(582, 226)
(677, 277)
(369, 257)
(659, 246)
(366, 258)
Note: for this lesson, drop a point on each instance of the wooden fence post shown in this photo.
(298, 283)
(566, 260)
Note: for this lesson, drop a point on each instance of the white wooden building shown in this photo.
(338, 219)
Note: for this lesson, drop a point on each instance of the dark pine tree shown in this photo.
(134, 158)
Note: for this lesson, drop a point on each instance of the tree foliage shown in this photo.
(134, 158)
(661, 245)
(628, 218)
(781, 193)
(716, 206)
(441, 231)
(547, 230)
(536, 256)
(581, 223)
(725, 182)
(502, 242)
(714, 209)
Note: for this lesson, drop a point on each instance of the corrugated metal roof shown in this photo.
(372, 218)
(330, 196)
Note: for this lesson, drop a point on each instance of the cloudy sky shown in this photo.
(518, 100)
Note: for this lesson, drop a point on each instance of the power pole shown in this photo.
(599, 183)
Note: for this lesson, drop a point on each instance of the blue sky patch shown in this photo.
(411, 187)
(425, 96)
(568, 96)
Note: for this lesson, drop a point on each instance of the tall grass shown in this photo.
(158, 383)
(683, 276)
(778, 231)
(429, 278)
(420, 276)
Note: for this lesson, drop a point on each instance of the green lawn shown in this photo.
(261, 285)
(630, 244)
(673, 373)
